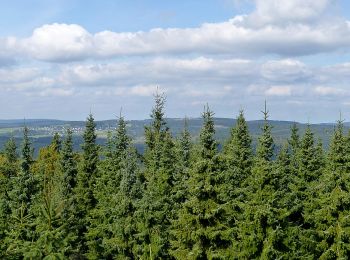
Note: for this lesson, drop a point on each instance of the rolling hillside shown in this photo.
(41, 130)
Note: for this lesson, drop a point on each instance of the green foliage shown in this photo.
(200, 231)
(56, 142)
(184, 157)
(154, 212)
(258, 225)
(24, 189)
(113, 225)
(238, 157)
(50, 239)
(180, 199)
(86, 184)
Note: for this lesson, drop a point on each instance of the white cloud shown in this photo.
(287, 70)
(61, 42)
(277, 11)
(159, 70)
(280, 91)
(58, 42)
(285, 28)
(330, 91)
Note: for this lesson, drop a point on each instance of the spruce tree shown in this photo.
(257, 226)
(329, 212)
(47, 208)
(56, 142)
(121, 242)
(69, 171)
(183, 154)
(119, 161)
(11, 150)
(238, 158)
(25, 181)
(8, 170)
(24, 189)
(310, 170)
(294, 140)
(200, 229)
(86, 182)
(308, 157)
(154, 211)
(27, 152)
(68, 166)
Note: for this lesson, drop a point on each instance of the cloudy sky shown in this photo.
(61, 58)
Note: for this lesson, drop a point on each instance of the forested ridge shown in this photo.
(179, 199)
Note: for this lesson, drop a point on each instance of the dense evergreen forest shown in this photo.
(179, 199)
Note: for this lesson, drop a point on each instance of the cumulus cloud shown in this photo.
(61, 42)
(276, 27)
(58, 42)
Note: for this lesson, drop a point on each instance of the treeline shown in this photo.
(179, 200)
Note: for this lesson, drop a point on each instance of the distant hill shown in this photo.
(41, 130)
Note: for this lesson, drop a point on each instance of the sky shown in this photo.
(61, 59)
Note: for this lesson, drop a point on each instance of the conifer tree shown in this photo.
(103, 217)
(68, 166)
(185, 145)
(308, 157)
(121, 242)
(24, 188)
(265, 148)
(8, 170)
(47, 209)
(294, 141)
(56, 142)
(69, 171)
(294, 147)
(257, 226)
(238, 158)
(281, 239)
(200, 230)
(311, 161)
(86, 182)
(184, 156)
(11, 150)
(154, 212)
(27, 152)
(25, 181)
(329, 212)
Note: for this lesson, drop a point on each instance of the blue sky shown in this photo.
(61, 58)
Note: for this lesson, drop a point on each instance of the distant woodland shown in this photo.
(178, 199)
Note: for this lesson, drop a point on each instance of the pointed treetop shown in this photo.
(120, 112)
(265, 147)
(341, 120)
(186, 122)
(158, 114)
(265, 112)
(56, 142)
